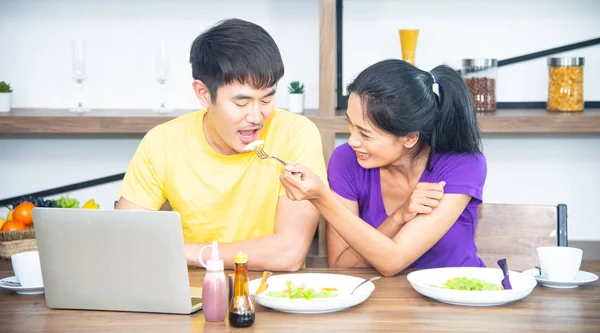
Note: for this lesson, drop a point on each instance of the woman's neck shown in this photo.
(409, 166)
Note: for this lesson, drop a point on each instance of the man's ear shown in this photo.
(202, 93)
(410, 140)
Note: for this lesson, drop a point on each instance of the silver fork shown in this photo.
(263, 155)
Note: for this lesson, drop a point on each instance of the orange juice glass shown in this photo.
(408, 42)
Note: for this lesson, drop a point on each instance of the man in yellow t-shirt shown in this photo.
(198, 163)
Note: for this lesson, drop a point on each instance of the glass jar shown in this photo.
(565, 84)
(480, 77)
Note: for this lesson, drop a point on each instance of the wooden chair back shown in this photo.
(515, 231)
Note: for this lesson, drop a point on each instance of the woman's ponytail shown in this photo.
(456, 128)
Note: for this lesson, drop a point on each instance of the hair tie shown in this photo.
(435, 87)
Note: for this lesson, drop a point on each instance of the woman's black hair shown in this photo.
(399, 99)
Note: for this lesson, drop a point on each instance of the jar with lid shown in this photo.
(565, 84)
(480, 76)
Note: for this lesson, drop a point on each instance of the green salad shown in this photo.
(293, 292)
(464, 283)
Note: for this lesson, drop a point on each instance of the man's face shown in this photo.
(237, 117)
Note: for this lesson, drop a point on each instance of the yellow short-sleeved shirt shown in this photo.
(222, 198)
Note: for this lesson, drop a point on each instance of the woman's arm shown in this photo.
(391, 256)
(340, 254)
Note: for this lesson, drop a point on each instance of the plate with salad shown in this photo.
(471, 286)
(309, 293)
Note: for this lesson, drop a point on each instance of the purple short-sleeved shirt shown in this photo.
(463, 173)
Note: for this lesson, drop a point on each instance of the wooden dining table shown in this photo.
(394, 306)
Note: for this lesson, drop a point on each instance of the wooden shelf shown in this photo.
(57, 121)
(539, 121)
(525, 121)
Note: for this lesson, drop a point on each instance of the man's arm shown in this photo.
(125, 204)
(284, 250)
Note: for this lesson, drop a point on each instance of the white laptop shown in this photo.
(113, 260)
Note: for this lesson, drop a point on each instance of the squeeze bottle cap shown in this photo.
(214, 263)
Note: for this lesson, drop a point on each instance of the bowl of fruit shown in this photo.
(17, 233)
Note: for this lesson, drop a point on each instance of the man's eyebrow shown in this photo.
(242, 96)
(271, 93)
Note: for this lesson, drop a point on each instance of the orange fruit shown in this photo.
(23, 213)
(12, 225)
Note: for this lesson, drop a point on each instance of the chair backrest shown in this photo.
(515, 231)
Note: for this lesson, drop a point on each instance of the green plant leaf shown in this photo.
(5, 87)
(296, 87)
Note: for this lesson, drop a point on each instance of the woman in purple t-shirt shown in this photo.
(406, 187)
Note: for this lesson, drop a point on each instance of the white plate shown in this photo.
(343, 283)
(9, 283)
(580, 279)
(424, 282)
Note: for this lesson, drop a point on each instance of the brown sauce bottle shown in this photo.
(241, 307)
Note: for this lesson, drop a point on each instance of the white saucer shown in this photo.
(11, 283)
(580, 279)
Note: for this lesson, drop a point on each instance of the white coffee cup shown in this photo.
(559, 263)
(28, 271)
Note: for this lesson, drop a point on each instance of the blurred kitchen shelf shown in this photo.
(115, 121)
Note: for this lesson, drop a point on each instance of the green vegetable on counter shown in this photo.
(66, 202)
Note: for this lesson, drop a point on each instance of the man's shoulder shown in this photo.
(177, 126)
(285, 121)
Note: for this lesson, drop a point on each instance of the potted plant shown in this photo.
(296, 100)
(5, 94)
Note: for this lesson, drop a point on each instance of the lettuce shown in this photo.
(293, 292)
(464, 283)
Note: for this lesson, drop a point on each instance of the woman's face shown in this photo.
(374, 148)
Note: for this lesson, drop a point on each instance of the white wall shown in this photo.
(452, 30)
(34, 57)
(121, 37)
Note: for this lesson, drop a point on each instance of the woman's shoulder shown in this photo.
(453, 159)
(343, 155)
(344, 172)
(459, 168)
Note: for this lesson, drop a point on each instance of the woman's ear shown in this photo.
(202, 93)
(410, 140)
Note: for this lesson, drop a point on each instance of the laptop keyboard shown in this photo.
(196, 301)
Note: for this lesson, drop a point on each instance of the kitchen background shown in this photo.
(121, 37)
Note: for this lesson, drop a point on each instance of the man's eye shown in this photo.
(241, 105)
(265, 102)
